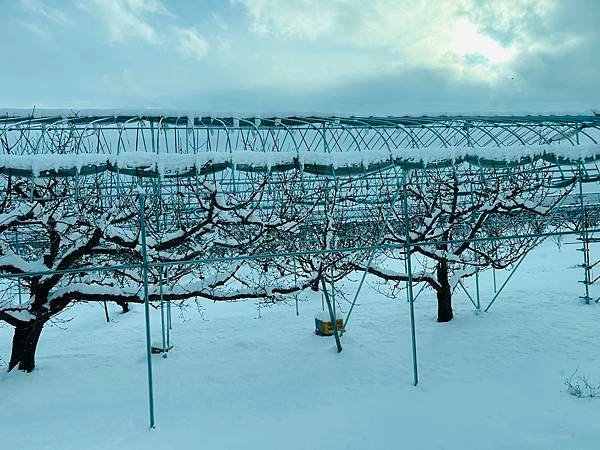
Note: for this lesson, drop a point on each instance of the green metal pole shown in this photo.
(505, 283)
(584, 241)
(165, 347)
(147, 308)
(410, 290)
(478, 306)
(169, 323)
(18, 252)
(332, 317)
(406, 270)
(296, 286)
(333, 298)
(370, 261)
(159, 210)
(362, 280)
(460, 283)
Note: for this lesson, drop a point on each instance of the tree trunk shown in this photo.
(444, 293)
(315, 286)
(24, 345)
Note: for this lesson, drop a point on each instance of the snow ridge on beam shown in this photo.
(337, 163)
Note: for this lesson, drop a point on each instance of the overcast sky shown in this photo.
(345, 56)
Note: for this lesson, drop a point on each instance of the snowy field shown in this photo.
(237, 381)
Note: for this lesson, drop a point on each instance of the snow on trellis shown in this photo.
(173, 163)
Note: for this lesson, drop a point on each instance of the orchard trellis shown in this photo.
(157, 209)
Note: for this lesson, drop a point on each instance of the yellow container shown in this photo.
(325, 328)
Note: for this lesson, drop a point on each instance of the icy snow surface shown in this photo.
(237, 381)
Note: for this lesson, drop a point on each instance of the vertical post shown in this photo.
(584, 241)
(406, 270)
(168, 311)
(477, 289)
(409, 286)
(165, 347)
(146, 306)
(18, 251)
(296, 285)
(332, 317)
(159, 210)
(478, 302)
(169, 327)
(333, 298)
(152, 136)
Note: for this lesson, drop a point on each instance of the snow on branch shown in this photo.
(16, 264)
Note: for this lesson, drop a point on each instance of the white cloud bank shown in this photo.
(450, 34)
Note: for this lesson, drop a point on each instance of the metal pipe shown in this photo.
(146, 308)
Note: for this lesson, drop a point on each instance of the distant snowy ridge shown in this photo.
(166, 163)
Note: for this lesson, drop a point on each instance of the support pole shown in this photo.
(410, 284)
(146, 307)
(163, 326)
(333, 298)
(332, 316)
(478, 306)
(370, 261)
(585, 242)
(169, 322)
(296, 286)
(505, 283)
(360, 285)
(18, 250)
(460, 283)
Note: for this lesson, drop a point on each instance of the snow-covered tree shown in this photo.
(451, 213)
(56, 232)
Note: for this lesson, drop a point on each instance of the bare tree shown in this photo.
(68, 229)
(454, 216)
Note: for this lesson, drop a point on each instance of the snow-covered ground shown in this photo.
(237, 381)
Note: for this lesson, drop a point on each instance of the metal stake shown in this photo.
(410, 290)
(147, 308)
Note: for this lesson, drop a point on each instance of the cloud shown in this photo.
(43, 9)
(148, 21)
(128, 19)
(190, 43)
(306, 19)
(41, 18)
(470, 38)
(386, 56)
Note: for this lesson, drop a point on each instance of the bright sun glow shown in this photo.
(466, 40)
